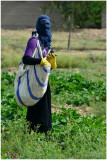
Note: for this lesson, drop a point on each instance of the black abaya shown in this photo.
(40, 113)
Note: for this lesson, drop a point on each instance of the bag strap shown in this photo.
(35, 34)
(38, 46)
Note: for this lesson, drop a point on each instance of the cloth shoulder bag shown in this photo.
(31, 81)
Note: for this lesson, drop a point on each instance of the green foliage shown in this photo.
(9, 106)
(86, 13)
(95, 12)
(74, 89)
(73, 135)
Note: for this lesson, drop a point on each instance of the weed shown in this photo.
(74, 89)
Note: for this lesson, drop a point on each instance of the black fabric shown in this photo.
(30, 60)
(40, 113)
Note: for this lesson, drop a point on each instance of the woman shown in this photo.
(40, 113)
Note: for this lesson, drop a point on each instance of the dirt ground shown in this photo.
(10, 70)
(83, 110)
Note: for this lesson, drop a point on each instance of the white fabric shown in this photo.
(22, 93)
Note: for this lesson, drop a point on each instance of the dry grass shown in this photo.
(81, 33)
(16, 34)
(80, 60)
(13, 44)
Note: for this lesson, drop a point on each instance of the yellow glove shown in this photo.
(44, 62)
(52, 60)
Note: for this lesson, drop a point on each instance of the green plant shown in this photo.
(74, 89)
(83, 13)
(73, 135)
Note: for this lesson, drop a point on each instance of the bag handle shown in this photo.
(38, 47)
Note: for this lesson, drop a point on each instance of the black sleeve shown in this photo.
(30, 60)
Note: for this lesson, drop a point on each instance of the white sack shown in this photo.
(31, 81)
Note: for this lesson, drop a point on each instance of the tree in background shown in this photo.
(78, 13)
(95, 13)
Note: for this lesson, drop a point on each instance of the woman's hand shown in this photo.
(52, 60)
(44, 62)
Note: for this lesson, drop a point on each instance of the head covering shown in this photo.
(43, 27)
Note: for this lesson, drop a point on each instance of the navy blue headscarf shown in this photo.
(43, 27)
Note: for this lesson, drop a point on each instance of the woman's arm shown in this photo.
(30, 48)
(30, 60)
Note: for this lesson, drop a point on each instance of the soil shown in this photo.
(83, 110)
(10, 70)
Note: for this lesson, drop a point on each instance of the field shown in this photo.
(78, 99)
